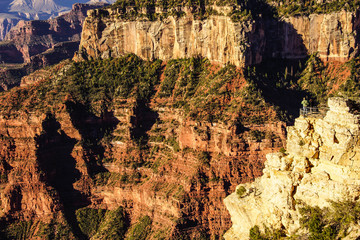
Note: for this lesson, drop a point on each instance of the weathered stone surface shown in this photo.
(332, 36)
(217, 38)
(34, 37)
(179, 179)
(321, 165)
(7, 21)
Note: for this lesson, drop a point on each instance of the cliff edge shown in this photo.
(321, 166)
(113, 32)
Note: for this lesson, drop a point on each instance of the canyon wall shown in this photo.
(34, 37)
(7, 21)
(217, 38)
(333, 36)
(320, 166)
(40, 43)
(177, 173)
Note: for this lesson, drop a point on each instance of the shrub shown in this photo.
(141, 229)
(240, 191)
(273, 234)
(282, 150)
(330, 223)
(257, 135)
(114, 225)
(89, 220)
(204, 158)
(173, 143)
(255, 234)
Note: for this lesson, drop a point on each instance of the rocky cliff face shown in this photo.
(151, 159)
(216, 38)
(7, 21)
(41, 43)
(34, 37)
(107, 33)
(321, 165)
(333, 36)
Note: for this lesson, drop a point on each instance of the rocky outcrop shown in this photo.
(321, 165)
(333, 36)
(7, 21)
(217, 38)
(107, 33)
(34, 37)
(178, 175)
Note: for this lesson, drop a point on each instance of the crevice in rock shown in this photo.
(292, 199)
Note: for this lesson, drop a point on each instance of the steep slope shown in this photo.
(237, 34)
(41, 43)
(7, 21)
(144, 136)
(319, 170)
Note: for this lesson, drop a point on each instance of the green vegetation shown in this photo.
(242, 10)
(257, 135)
(114, 225)
(351, 88)
(212, 94)
(89, 220)
(23, 230)
(172, 141)
(307, 7)
(240, 191)
(330, 223)
(93, 84)
(255, 234)
(204, 158)
(282, 150)
(315, 79)
(140, 230)
(102, 223)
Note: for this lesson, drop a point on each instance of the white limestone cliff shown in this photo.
(322, 164)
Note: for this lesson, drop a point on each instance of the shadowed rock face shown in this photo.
(333, 36)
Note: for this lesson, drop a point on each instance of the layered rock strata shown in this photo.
(75, 158)
(107, 33)
(321, 165)
(40, 43)
(217, 38)
(33, 37)
(333, 36)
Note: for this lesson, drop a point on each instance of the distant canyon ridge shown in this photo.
(11, 12)
(31, 45)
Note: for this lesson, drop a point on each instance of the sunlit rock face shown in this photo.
(322, 164)
(107, 33)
